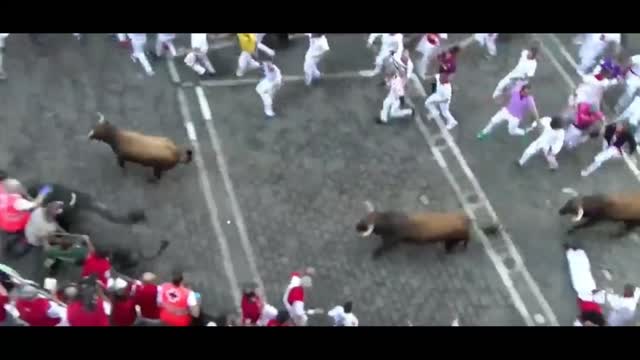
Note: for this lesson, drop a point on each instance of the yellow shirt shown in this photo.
(247, 42)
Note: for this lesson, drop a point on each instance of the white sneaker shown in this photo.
(451, 125)
(584, 173)
(270, 113)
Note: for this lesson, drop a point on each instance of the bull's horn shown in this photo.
(368, 232)
(579, 216)
(369, 206)
(90, 134)
(100, 117)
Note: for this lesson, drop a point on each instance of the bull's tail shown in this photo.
(187, 156)
(164, 244)
(133, 217)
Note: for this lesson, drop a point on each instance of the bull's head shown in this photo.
(102, 130)
(573, 207)
(366, 225)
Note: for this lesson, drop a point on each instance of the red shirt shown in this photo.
(447, 63)
(251, 309)
(274, 322)
(123, 312)
(97, 266)
(34, 312)
(3, 312)
(146, 296)
(77, 315)
(589, 306)
(585, 118)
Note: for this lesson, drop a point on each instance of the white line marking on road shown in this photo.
(572, 86)
(228, 184)
(563, 51)
(173, 72)
(211, 203)
(483, 199)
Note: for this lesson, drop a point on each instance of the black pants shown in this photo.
(16, 245)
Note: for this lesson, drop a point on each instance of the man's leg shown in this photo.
(514, 126)
(531, 150)
(446, 114)
(502, 85)
(386, 108)
(190, 61)
(139, 54)
(398, 112)
(264, 90)
(603, 156)
(204, 59)
(580, 272)
(499, 117)
(159, 47)
(308, 70)
(491, 44)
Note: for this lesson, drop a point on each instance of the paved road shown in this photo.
(299, 180)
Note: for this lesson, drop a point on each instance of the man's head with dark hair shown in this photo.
(177, 277)
(533, 49)
(524, 90)
(629, 290)
(282, 317)
(595, 318)
(102, 252)
(556, 123)
(348, 306)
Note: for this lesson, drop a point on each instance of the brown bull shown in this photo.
(422, 228)
(591, 209)
(159, 153)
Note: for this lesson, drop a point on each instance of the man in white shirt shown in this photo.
(632, 115)
(318, 47)
(392, 104)
(197, 58)
(391, 43)
(343, 316)
(269, 86)
(593, 46)
(622, 309)
(138, 43)
(3, 74)
(525, 70)
(592, 88)
(549, 143)
(441, 99)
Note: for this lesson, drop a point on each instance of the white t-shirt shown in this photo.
(551, 138)
(317, 47)
(526, 67)
(38, 227)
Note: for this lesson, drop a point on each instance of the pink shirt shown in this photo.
(519, 106)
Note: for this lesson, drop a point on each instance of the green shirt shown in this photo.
(74, 254)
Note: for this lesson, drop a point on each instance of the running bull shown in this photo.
(421, 228)
(591, 209)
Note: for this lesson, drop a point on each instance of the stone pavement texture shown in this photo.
(300, 179)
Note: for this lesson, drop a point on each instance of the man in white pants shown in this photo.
(3, 74)
(318, 47)
(520, 104)
(165, 42)
(392, 104)
(428, 48)
(525, 70)
(269, 86)
(138, 43)
(197, 58)
(549, 143)
(589, 297)
(488, 41)
(440, 100)
(631, 83)
(592, 47)
(616, 135)
(246, 61)
(389, 44)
